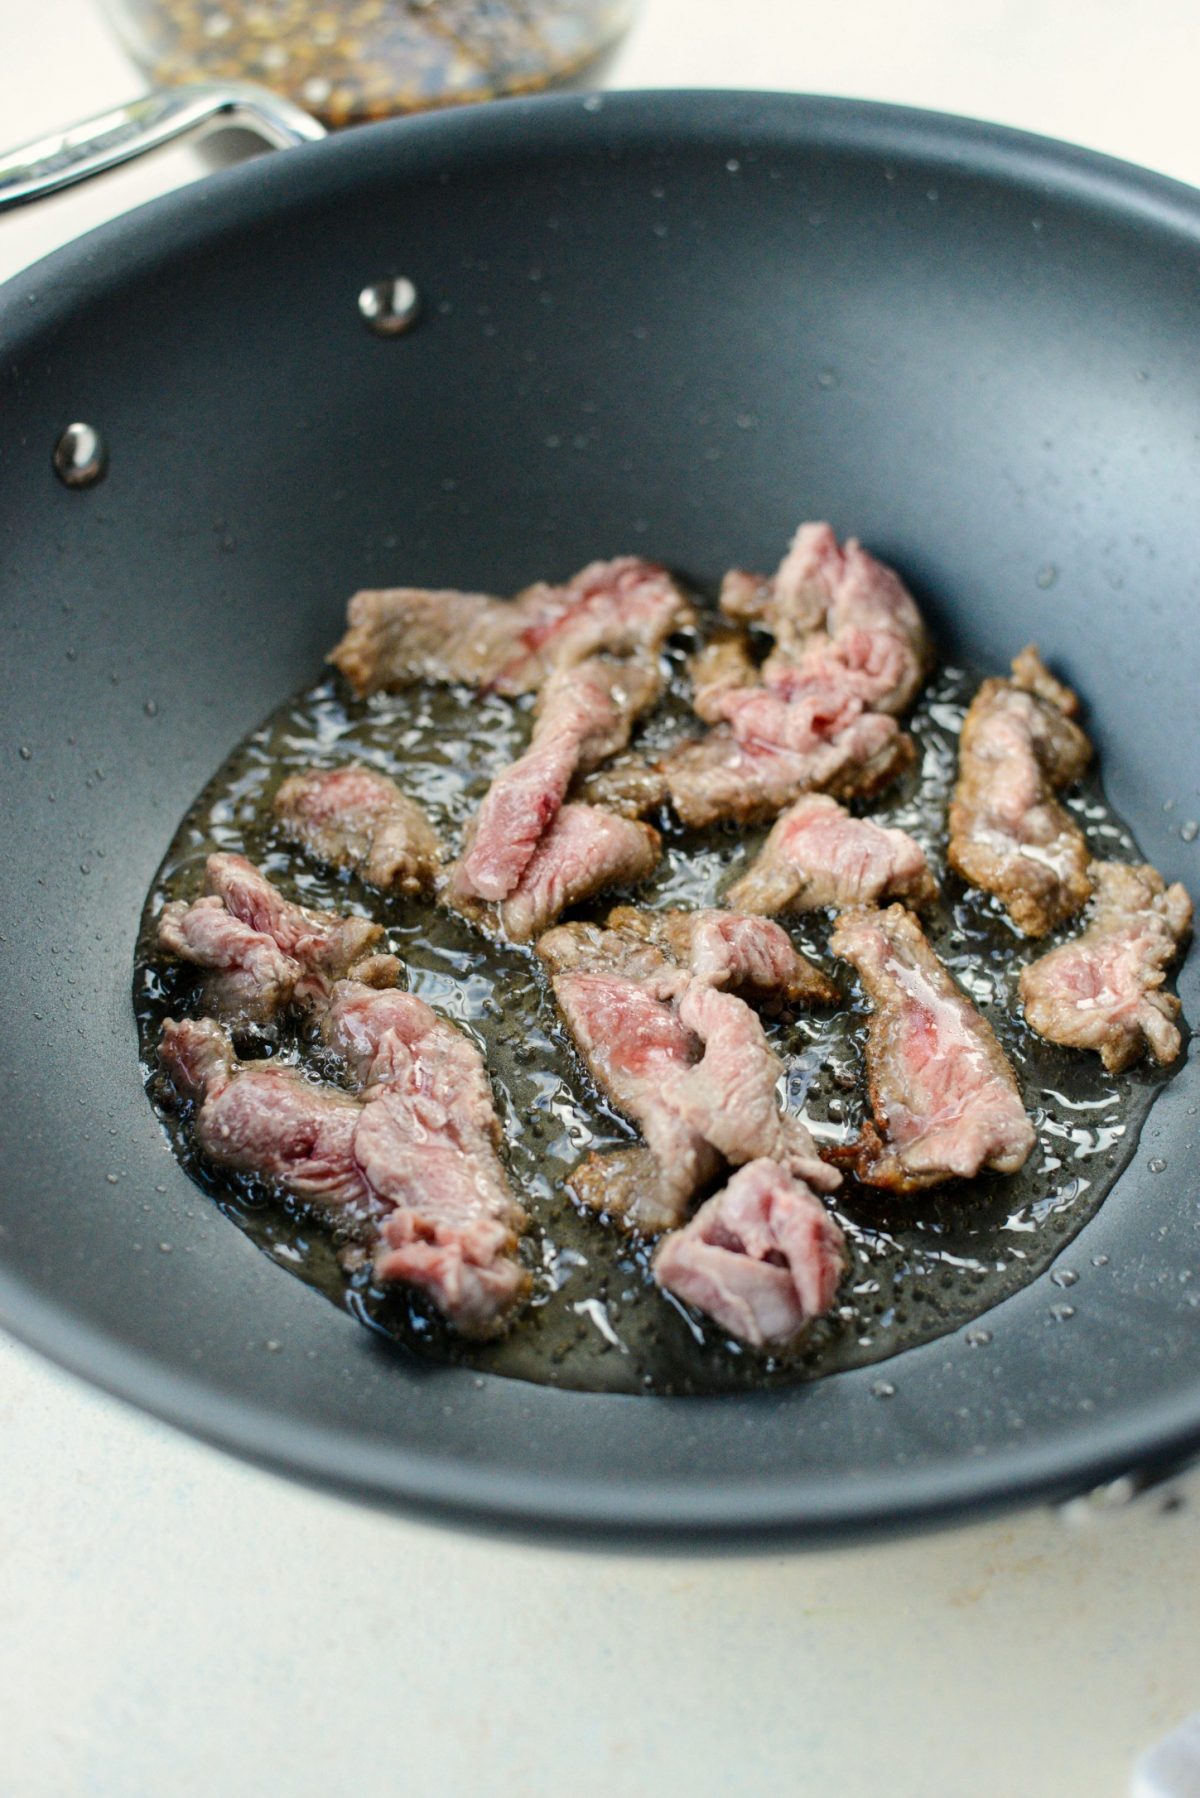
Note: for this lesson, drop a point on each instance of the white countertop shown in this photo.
(174, 1623)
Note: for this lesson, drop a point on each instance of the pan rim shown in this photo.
(655, 1513)
(795, 1509)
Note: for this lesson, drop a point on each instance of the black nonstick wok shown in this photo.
(672, 323)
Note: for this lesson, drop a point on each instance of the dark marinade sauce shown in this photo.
(919, 1266)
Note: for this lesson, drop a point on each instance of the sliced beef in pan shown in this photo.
(1103, 989)
(630, 784)
(762, 1257)
(585, 714)
(724, 666)
(719, 777)
(586, 851)
(353, 817)
(401, 635)
(688, 1063)
(817, 855)
(262, 951)
(944, 1098)
(749, 956)
(638, 1048)
(268, 1119)
(850, 653)
(838, 617)
(408, 1164)
(1020, 745)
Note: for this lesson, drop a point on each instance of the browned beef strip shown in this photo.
(262, 951)
(762, 1258)
(817, 855)
(1029, 671)
(585, 714)
(395, 637)
(398, 635)
(631, 1186)
(687, 1062)
(746, 597)
(1008, 834)
(749, 956)
(585, 851)
(945, 1100)
(607, 949)
(725, 665)
(629, 785)
(354, 817)
(408, 1165)
(732, 1091)
(1103, 989)
(717, 777)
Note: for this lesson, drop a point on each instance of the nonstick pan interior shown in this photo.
(672, 324)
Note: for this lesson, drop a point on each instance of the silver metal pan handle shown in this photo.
(111, 138)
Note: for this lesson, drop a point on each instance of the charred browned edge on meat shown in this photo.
(631, 785)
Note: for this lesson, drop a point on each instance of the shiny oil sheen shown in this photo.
(920, 1266)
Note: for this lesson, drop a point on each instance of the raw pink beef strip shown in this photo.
(625, 607)
(262, 951)
(818, 855)
(585, 851)
(839, 618)
(946, 1102)
(410, 1160)
(354, 817)
(687, 1062)
(1103, 989)
(585, 714)
(762, 1258)
(721, 777)
(850, 654)
(750, 956)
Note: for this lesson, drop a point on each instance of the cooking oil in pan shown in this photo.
(919, 1266)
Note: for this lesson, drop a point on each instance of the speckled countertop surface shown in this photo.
(174, 1623)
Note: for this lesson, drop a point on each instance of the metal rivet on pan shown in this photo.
(390, 307)
(80, 457)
